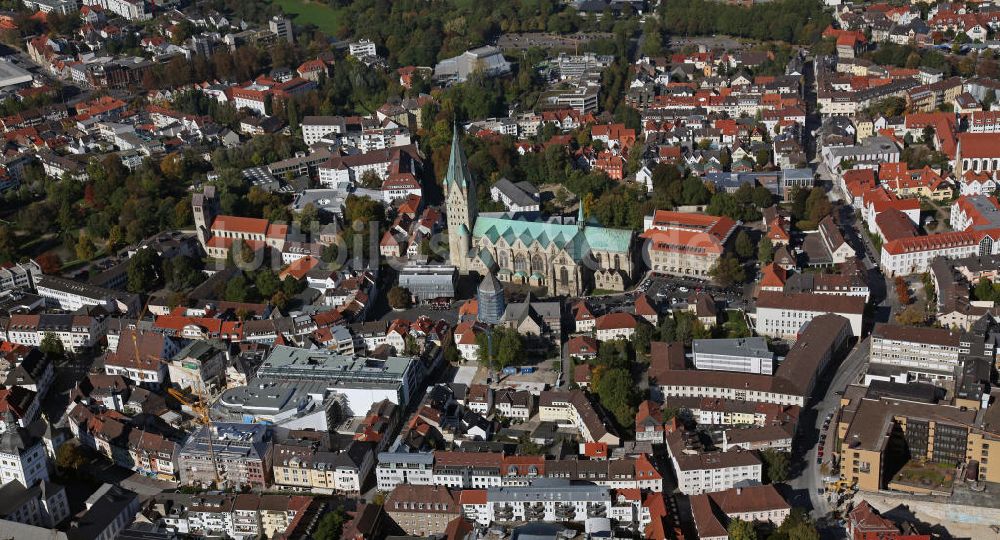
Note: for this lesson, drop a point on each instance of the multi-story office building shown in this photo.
(880, 432)
(905, 353)
(744, 355)
(228, 454)
(72, 295)
(783, 315)
(686, 244)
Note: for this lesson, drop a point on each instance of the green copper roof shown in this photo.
(458, 168)
(576, 240)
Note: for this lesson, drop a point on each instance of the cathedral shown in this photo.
(566, 256)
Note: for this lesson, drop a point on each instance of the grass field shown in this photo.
(315, 12)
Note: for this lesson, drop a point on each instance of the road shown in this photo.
(848, 372)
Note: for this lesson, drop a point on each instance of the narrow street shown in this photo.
(807, 484)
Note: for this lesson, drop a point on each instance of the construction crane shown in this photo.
(199, 408)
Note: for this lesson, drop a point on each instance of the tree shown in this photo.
(85, 248)
(642, 337)
(510, 348)
(618, 394)
(70, 458)
(728, 271)
(451, 354)
(371, 180)
(8, 249)
(237, 289)
(399, 298)
(331, 525)
(145, 271)
(742, 530)
(765, 251)
(266, 282)
(744, 246)
(49, 263)
(796, 526)
(776, 464)
(817, 205)
(902, 291)
(52, 347)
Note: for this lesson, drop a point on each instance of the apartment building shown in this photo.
(422, 510)
(140, 357)
(76, 332)
(72, 295)
(227, 453)
(242, 517)
(549, 500)
(304, 464)
(575, 408)
(22, 456)
(686, 244)
(878, 430)
(743, 355)
(905, 256)
(783, 315)
(700, 472)
(714, 511)
(19, 275)
(482, 470)
(42, 505)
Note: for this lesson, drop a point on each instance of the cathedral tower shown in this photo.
(460, 203)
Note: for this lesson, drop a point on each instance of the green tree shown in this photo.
(776, 464)
(85, 248)
(52, 347)
(8, 249)
(237, 289)
(765, 251)
(817, 205)
(267, 282)
(510, 348)
(797, 526)
(728, 271)
(642, 337)
(331, 525)
(145, 271)
(70, 458)
(618, 394)
(742, 530)
(744, 245)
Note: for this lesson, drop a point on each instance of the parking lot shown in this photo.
(672, 291)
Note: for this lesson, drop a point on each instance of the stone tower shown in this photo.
(460, 203)
(489, 295)
(204, 206)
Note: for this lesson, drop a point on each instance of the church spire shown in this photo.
(580, 221)
(458, 169)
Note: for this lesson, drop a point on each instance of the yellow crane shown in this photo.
(199, 407)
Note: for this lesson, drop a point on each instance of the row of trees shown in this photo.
(793, 21)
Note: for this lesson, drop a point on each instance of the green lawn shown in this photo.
(315, 12)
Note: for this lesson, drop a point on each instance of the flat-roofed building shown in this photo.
(744, 355)
(362, 381)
